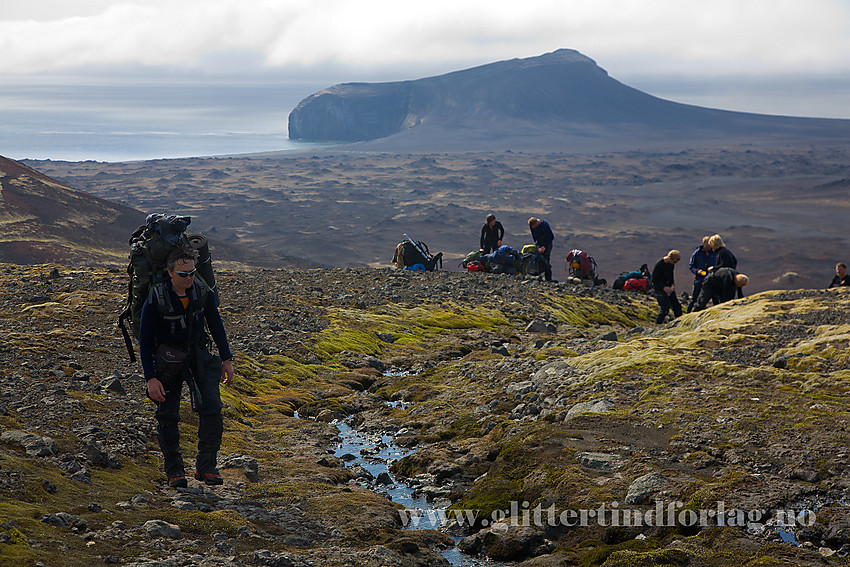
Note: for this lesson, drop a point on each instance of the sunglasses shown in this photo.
(186, 274)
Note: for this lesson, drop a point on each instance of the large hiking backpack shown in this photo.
(641, 276)
(580, 265)
(410, 252)
(533, 264)
(471, 258)
(150, 246)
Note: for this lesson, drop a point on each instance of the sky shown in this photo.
(799, 47)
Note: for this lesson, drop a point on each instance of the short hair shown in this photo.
(181, 253)
(716, 242)
(705, 240)
(841, 265)
(491, 217)
(532, 222)
(674, 255)
(741, 280)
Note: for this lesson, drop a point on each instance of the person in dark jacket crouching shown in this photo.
(724, 284)
(173, 347)
(664, 287)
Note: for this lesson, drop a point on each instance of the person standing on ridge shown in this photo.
(173, 347)
(543, 237)
(701, 260)
(840, 278)
(664, 287)
(491, 235)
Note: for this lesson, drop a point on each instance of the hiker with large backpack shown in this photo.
(543, 237)
(174, 348)
(491, 235)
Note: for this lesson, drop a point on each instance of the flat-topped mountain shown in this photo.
(560, 98)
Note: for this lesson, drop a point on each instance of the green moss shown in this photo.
(657, 558)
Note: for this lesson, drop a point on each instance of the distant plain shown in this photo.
(782, 211)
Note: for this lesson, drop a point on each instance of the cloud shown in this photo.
(624, 36)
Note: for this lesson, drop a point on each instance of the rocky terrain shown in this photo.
(511, 395)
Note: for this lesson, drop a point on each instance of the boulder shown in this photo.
(594, 406)
(643, 488)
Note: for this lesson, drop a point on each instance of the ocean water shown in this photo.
(130, 122)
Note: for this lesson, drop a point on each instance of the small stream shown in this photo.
(375, 452)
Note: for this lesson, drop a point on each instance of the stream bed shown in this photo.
(375, 452)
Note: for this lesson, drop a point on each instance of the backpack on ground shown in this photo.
(505, 255)
(529, 249)
(476, 266)
(150, 246)
(533, 264)
(472, 257)
(582, 266)
(638, 275)
(410, 252)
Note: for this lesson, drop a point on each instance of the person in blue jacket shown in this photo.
(702, 259)
(173, 347)
(543, 237)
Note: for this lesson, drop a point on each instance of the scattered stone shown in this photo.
(643, 488)
(601, 405)
(113, 384)
(780, 362)
(386, 337)
(266, 558)
(538, 326)
(384, 478)
(35, 445)
(160, 528)
(601, 461)
(65, 520)
(610, 336)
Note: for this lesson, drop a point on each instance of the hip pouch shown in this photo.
(170, 362)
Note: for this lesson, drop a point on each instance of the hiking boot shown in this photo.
(178, 482)
(209, 478)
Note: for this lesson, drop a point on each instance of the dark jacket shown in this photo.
(725, 259)
(542, 234)
(662, 275)
(839, 282)
(720, 286)
(491, 235)
(155, 330)
(701, 260)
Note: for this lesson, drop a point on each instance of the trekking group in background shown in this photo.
(713, 265)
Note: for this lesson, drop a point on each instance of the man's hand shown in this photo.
(156, 390)
(227, 371)
(541, 249)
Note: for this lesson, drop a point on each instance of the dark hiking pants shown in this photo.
(210, 422)
(666, 302)
(695, 294)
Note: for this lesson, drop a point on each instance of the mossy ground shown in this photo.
(700, 401)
